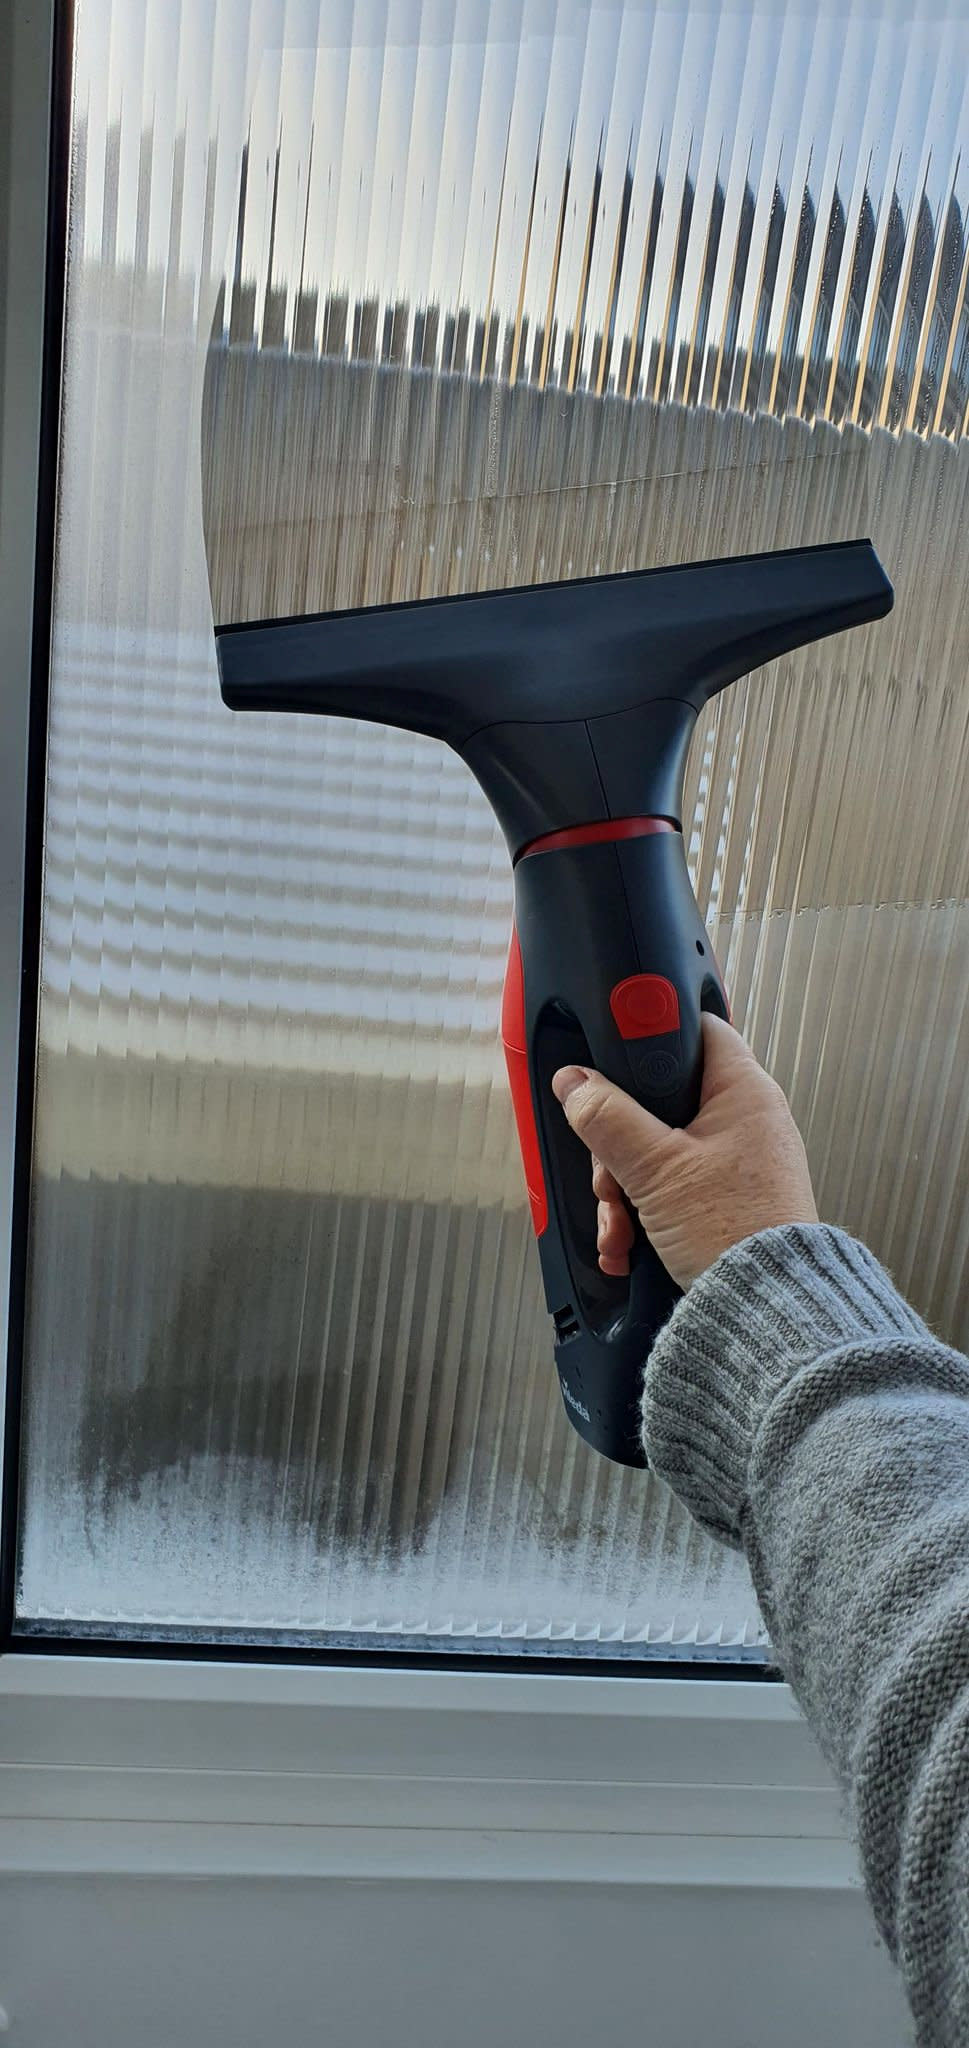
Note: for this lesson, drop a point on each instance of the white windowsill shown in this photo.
(143, 1767)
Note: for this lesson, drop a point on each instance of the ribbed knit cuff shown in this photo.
(770, 1305)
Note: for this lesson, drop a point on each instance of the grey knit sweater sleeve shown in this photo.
(801, 1409)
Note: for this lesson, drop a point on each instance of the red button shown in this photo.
(645, 1005)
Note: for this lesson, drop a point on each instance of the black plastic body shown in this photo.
(574, 704)
(570, 701)
(588, 918)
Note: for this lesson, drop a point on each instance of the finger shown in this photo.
(604, 1183)
(618, 1131)
(615, 1231)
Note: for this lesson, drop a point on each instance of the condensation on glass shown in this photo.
(532, 290)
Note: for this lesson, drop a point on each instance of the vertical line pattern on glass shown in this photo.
(760, 207)
(525, 292)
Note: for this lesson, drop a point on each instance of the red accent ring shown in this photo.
(594, 835)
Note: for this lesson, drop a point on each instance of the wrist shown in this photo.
(769, 1305)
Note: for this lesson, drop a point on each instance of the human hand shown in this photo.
(739, 1167)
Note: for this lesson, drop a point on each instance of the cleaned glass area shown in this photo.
(534, 290)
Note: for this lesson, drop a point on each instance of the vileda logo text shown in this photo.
(580, 1409)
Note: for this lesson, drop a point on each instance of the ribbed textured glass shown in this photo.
(517, 292)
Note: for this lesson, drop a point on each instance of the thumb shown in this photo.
(625, 1137)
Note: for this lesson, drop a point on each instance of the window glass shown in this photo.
(558, 289)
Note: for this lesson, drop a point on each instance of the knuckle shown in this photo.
(588, 1105)
(776, 1099)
